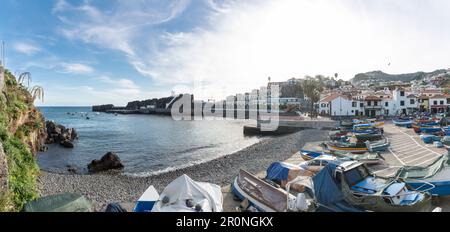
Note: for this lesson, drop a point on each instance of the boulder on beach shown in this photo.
(107, 162)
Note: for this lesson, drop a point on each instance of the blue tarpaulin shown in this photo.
(279, 171)
(326, 189)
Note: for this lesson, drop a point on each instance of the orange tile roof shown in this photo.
(333, 96)
(372, 98)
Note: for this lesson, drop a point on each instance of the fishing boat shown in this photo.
(337, 134)
(186, 195)
(351, 182)
(358, 147)
(403, 122)
(266, 197)
(446, 142)
(347, 147)
(147, 200)
(437, 174)
(430, 130)
(366, 158)
(309, 155)
(368, 136)
(428, 139)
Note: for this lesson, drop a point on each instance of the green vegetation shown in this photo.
(313, 87)
(15, 103)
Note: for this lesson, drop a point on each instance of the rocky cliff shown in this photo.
(22, 135)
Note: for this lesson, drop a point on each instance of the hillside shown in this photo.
(379, 76)
(22, 134)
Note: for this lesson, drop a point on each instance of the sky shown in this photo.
(87, 52)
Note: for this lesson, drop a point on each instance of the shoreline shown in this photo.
(109, 187)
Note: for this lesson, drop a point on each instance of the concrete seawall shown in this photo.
(287, 127)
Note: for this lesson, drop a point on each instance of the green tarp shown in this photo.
(68, 202)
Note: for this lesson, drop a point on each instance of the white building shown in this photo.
(340, 105)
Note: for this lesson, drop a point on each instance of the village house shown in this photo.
(338, 104)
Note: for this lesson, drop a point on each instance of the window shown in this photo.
(386, 104)
(402, 103)
(369, 103)
(375, 103)
(353, 111)
(434, 102)
(448, 100)
(411, 101)
(354, 104)
(402, 93)
(442, 102)
(361, 104)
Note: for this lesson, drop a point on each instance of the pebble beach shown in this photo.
(110, 187)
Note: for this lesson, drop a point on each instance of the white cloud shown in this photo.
(26, 48)
(244, 42)
(77, 68)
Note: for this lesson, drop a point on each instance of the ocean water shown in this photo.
(146, 144)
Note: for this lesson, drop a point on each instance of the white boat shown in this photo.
(187, 195)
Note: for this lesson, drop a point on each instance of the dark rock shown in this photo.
(107, 162)
(66, 143)
(72, 169)
(43, 149)
(57, 133)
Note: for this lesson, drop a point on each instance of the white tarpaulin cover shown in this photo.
(206, 195)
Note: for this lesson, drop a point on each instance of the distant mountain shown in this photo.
(379, 76)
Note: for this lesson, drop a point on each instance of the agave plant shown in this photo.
(26, 76)
(37, 92)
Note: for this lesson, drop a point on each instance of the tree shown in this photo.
(26, 76)
(312, 89)
(37, 92)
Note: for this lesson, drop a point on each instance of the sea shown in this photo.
(146, 144)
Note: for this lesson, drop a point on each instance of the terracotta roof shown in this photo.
(423, 97)
(439, 96)
(372, 98)
(430, 91)
(332, 97)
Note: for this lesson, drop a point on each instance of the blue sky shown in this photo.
(86, 52)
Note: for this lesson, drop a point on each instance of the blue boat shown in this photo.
(430, 130)
(403, 122)
(437, 174)
(428, 139)
(309, 155)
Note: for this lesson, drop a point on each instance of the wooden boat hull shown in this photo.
(358, 150)
(260, 194)
(309, 155)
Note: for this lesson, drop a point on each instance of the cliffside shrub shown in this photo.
(22, 166)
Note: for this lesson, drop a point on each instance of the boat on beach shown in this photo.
(351, 183)
(186, 195)
(268, 198)
(403, 122)
(367, 158)
(437, 174)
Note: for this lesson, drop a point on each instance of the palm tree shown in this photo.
(37, 92)
(26, 76)
(312, 88)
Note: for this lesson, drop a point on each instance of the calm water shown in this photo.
(147, 144)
